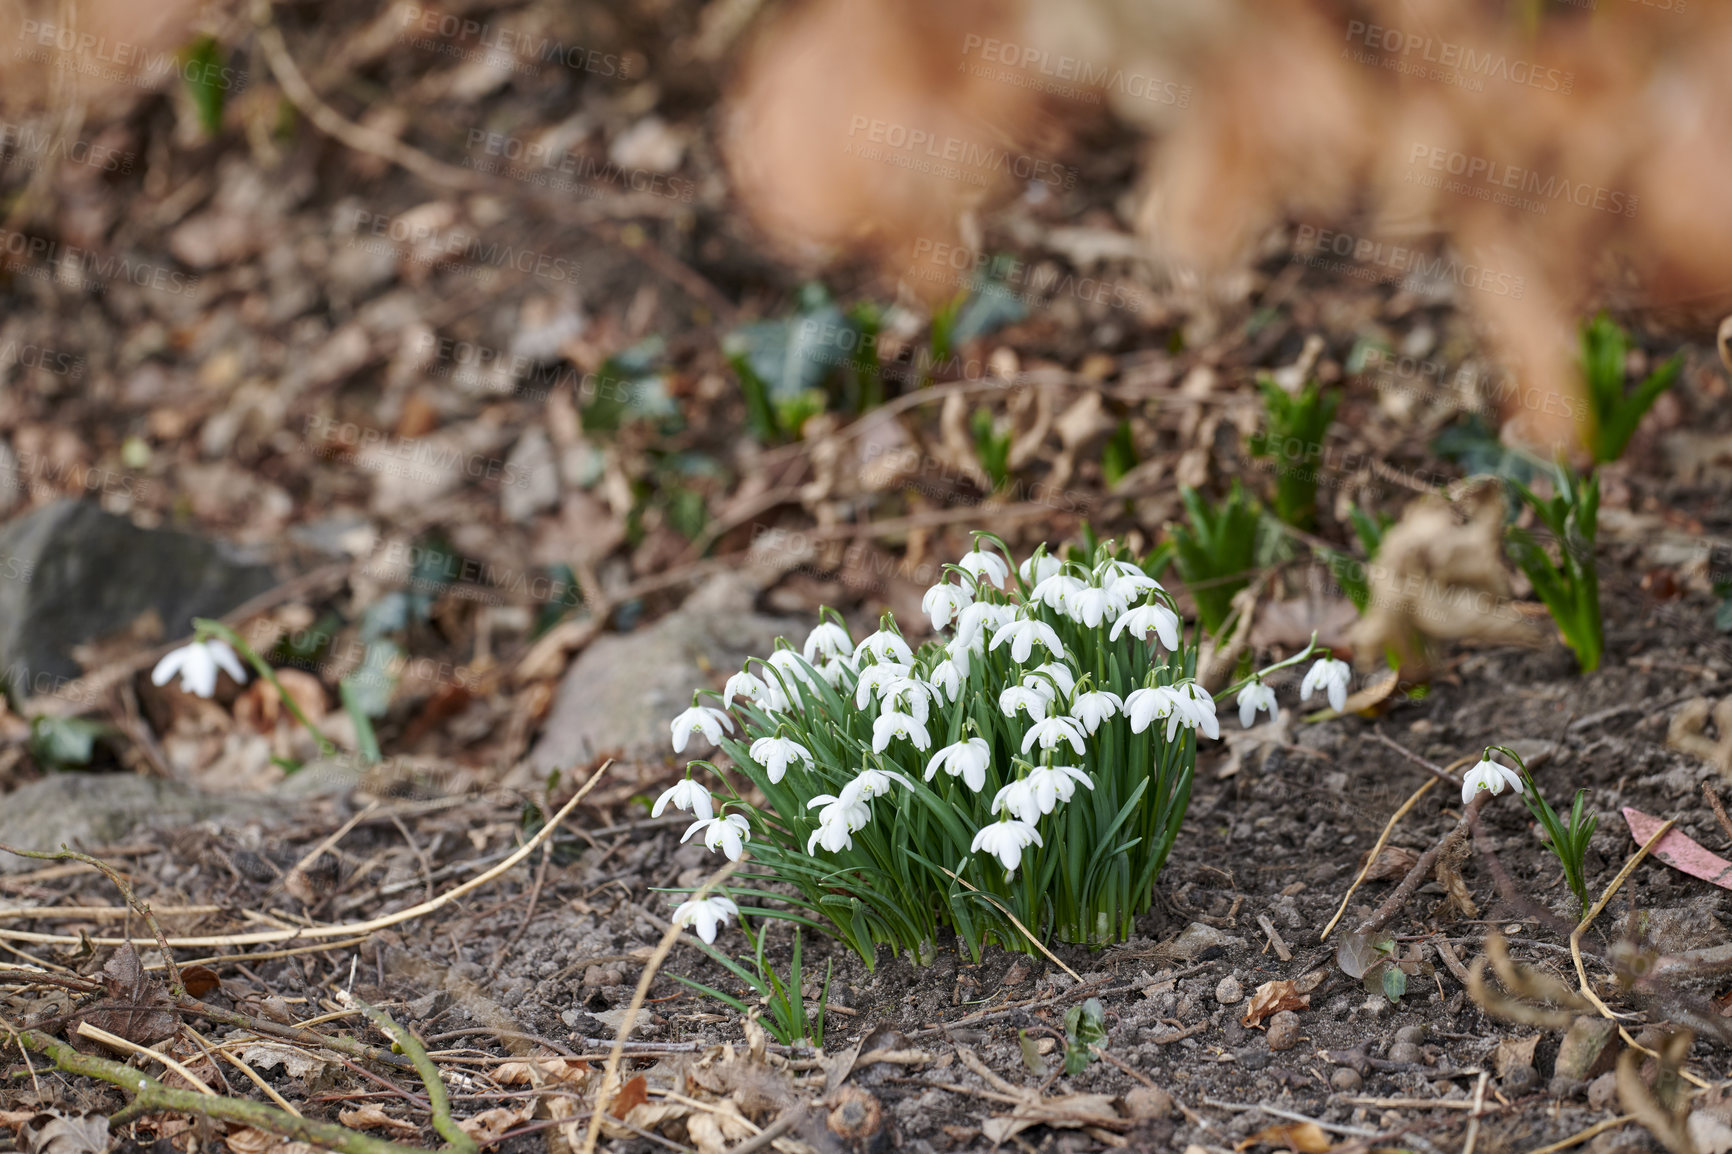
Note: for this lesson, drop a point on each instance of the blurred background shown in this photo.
(505, 369)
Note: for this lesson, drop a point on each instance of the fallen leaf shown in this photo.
(53, 1132)
(487, 1126)
(1305, 1137)
(1071, 1111)
(712, 1131)
(371, 1117)
(1680, 851)
(630, 1094)
(1393, 861)
(1272, 998)
(199, 980)
(296, 1063)
(571, 1071)
(137, 1007)
(1513, 1053)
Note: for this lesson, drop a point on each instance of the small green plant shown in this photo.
(1569, 586)
(1216, 552)
(1296, 424)
(991, 448)
(1119, 456)
(787, 1021)
(1568, 840)
(1085, 1026)
(1617, 412)
(203, 73)
(1352, 575)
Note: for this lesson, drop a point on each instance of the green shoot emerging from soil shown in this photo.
(1296, 426)
(1216, 552)
(1568, 840)
(1570, 586)
(1617, 413)
(787, 1021)
(1008, 780)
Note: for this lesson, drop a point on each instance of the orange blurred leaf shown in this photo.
(1272, 998)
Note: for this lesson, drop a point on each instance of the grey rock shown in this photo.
(1406, 1052)
(1603, 1092)
(1520, 1079)
(1562, 1086)
(1253, 1057)
(624, 689)
(71, 573)
(1148, 1102)
(1415, 1033)
(88, 810)
(1197, 940)
(1228, 991)
(1346, 1080)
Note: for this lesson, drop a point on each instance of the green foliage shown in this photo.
(1569, 586)
(201, 72)
(1616, 412)
(630, 386)
(788, 1021)
(64, 742)
(1568, 840)
(1084, 1026)
(1296, 426)
(1474, 446)
(1120, 455)
(1351, 575)
(991, 448)
(1216, 552)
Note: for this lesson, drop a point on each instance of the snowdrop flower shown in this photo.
(1092, 606)
(788, 663)
(892, 725)
(989, 565)
(1093, 708)
(1016, 799)
(1051, 731)
(1256, 696)
(1132, 585)
(1022, 634)
(875, 680)
(1490, 776)
(706, 915)
(966, 759)
(1332, 677)
(728, 834)
(1051, 784)
(947, 677)
(775, 754)
(1146, 619)
(687, 795)
(1118, 569)
(197, 665)
(1061, 677)
(888, 648)
(869, 783)
(944, 601)
(1145, 706)
(1005, 840)
(700, 719)
(976, 623)
(834, 670)
(847, 811)
(1038, 569)
(746, 685)
(1192, 706)
(827, 640)
(833, 836)
(908, 695)
(1056, 591)
(1031, 701)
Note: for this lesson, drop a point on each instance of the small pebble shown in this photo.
(1254, 1057)
(1284, 1030)
(1406, 1052)
(1346, 1079)
(1149, 1102)
(1520, 1079)
(1415, 1034)
(1603, 1092)
(1228, 991)
(1564, 1087)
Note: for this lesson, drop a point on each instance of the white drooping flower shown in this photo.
(944, 601)
(847, 811)
(791, 667)
(1023, 633)
(776, 754)
(1061, 678)
(712, 723)
(1145, 706)
(1193, 707)
(1051, 784)
(1056, 591)
(1005, 840)
(947, 677)
(1491, 777)
(891, 725)
(728, 834)
(706, 915)
(874, 680)
(1038, 569)
(985, 566)
(746, 685)
(1332, 677)
(1093, 708)
(835, 669)
(688, 795)
(1031, 701)
(1130, 586)
(909, 695)
(1091, 606)
(198, 663)
(887, 647)
(833, 836)
(870, 783)
(1254, 697)
(828, 639)
(966, 759)
(1115, 569)
(1052, 730)
(1016, 799)
(1143, 620)
(976, 623)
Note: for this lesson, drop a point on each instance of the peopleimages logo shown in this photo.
(432, 245)
(1086, 76)
(31, 146)
(506, 45)
(1462, 59)
(132, 63)
(975, 159)
(1367, 259)
(64, 261)
(1487, 179)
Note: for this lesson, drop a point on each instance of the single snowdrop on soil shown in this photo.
(197, 664)
(706, 916)
(1332, 677)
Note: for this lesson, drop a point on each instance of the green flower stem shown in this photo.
(205, 628)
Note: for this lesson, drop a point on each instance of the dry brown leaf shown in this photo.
(1512, 1053)
(1272, 998)
(712, 1131)
(1070, 1111)
(55, 1132)
(1393, 861)
(1679, 850)
(1688, 732)
(372, 1117)
(1304, 1137)
(137, 1008)
(199, 980)
(570, 1071)
(631, 1094)
(487, 1126)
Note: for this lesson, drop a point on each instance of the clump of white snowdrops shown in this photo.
(1027, 770)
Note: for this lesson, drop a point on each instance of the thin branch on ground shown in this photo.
(1416, 876)
(437, 1100)
(1371, 858)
